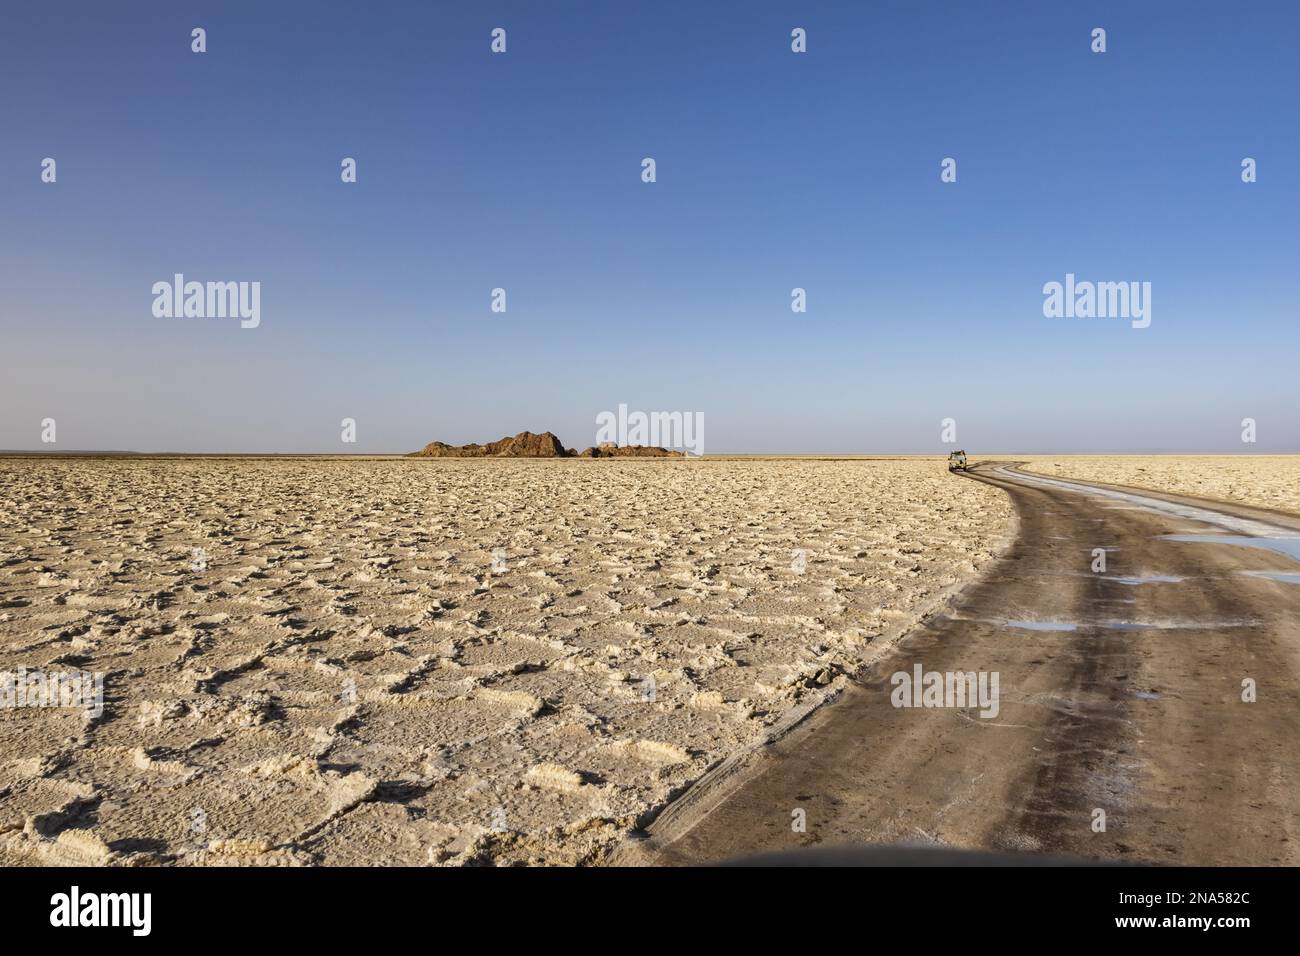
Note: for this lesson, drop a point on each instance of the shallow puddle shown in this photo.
(1229, 522)
(1171, 625)
(1043, 625)
(1288, 546)
(1148, 579)
(1114, 625)
(1284, 576)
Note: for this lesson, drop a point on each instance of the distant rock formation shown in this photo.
(545, 445)
(523, 445)
(630, 451)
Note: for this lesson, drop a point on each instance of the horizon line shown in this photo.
(123, 453)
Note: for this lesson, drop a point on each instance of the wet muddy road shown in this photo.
(1120, 692)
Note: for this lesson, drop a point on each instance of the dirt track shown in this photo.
(1131, 703)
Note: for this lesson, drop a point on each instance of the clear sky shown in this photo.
(775, 170)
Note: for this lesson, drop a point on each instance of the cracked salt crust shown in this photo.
(448, 662)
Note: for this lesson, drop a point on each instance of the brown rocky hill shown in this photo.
(523, 445)
(545, 445)
(630, 451)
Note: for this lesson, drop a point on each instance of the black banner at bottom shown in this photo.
(331, 906)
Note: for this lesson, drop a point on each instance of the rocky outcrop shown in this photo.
(545, 445)
(630, 451)
(523, 445)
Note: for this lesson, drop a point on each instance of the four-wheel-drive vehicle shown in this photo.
(957, 461)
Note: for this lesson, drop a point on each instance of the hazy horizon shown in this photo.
(775, 171)
(975, 454)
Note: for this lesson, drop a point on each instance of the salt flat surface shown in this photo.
(403, 662)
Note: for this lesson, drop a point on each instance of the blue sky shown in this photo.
(775, 170)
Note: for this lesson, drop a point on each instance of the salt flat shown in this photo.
(393, 661)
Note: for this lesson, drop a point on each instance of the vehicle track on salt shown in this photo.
(1124, 695)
